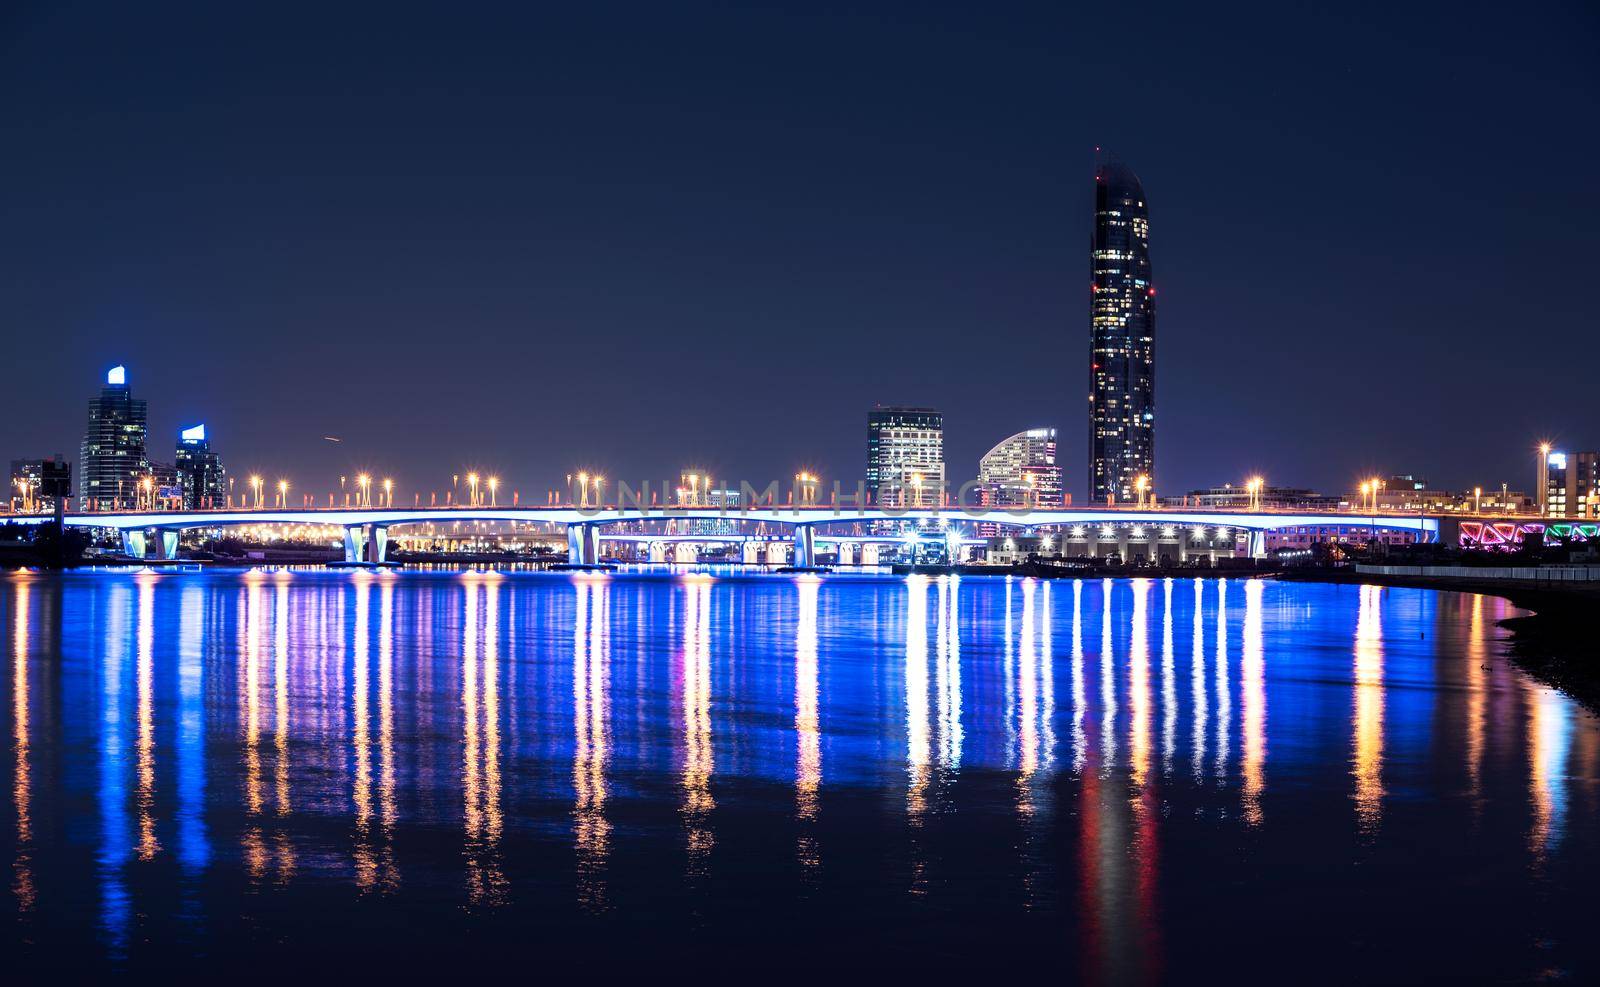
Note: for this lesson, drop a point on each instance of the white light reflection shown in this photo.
(591, 656)
(1369, 698)
(1253, 702)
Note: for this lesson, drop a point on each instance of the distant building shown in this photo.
(113, 459)
(166, 485)
(905, 456)
(1271, 498)
(37, 485)
(1572, 484)
(1304, 537)
(203, 481)
(1122, 331)
(1022, 471)
(1400, 493)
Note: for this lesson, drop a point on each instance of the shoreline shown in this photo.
(1548, 642)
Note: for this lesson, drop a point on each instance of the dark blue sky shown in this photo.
(636, 237)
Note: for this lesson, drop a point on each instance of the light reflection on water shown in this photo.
(863, 757)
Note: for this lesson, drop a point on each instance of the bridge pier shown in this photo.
(378, 544)
(133, 544)
(1258, 544)
(368, 543)
(583, 544)
(805, 547)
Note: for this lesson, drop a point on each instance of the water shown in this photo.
(713, 775)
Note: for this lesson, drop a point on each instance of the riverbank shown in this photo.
(1555, 641)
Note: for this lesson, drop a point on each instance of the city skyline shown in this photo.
(642, 319)
(895, 460)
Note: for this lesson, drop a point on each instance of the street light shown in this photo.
(388, 492)
(916, 483)
(255, 487)
(283, 493)
(494, 484)
(1141, 483)
(365, 483)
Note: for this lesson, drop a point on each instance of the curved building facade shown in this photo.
(1122, 331)
(1022, 471)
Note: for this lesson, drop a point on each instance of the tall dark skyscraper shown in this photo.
(113, 457)
(200, 471)
(1122, 333)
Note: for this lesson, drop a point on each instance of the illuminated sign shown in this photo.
(196, 434)
(1558, 460)
(117, 376)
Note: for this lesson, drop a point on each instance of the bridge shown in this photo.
(154, 534)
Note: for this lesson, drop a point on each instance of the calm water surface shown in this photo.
(711, 774)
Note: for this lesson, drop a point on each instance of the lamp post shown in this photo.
(255, 488)
(283, 493)
(583, 489)
(364, 482)
(1141, 483)
(388, 492)
(1543, 480)
(494, 485)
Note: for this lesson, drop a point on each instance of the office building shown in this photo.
(203, 482)
(905, 456)
(1122, 329)
(1571, 484)
(113, 459)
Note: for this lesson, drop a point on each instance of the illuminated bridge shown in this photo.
(154, 534)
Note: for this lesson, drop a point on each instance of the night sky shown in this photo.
(640, 237)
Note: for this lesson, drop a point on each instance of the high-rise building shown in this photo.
(200, 472)
(1122, 330)
(1571, 484)
(1022, 471)
(37, 485)
(113, 459)
(905, 456)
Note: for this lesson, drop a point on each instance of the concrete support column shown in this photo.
(377, 544)
(847, 555)
(583, 544)
(658, 552)
(1258, 544)
(869, 553)
(805, 546)
(751, 552)
(686, 553)
(355, 542)
(133, 543)
(166, 546)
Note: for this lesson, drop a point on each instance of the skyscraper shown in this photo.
(1022, 471)
(200, 471)
(1122, 330)
(905, 456)
(113, 457)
